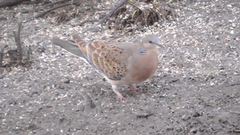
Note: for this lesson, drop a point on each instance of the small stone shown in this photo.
(89, 77)
(193, 130)
(230, 6)
(66, 80)
(196, 114)
(233, 25)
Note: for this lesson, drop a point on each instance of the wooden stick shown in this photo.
(112, 12)
(9, 3)
(18, 41)
(62, 5)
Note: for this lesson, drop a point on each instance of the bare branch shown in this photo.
(62, 5)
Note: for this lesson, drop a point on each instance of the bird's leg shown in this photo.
(132, 88)
(114, 87)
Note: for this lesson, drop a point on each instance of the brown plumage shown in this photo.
(119, 63)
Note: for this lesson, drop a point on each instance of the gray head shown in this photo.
(151, 40)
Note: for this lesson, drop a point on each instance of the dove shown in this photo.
(119, 63)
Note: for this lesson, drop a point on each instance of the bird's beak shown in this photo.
(158, 44)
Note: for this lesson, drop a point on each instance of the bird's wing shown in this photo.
(110, 59)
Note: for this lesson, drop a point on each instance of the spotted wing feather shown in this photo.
(108, 58)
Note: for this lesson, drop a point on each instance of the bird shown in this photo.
(120, 63)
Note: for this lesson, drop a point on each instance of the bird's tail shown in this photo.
(68, 46)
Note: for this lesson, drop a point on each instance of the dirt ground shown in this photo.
(195, 90)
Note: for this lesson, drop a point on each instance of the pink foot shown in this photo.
(119, 95)
(132, 88)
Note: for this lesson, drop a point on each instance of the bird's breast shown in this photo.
(143, 66)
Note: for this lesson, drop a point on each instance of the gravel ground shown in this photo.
(196, 89)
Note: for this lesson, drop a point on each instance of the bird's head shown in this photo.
(151, 41)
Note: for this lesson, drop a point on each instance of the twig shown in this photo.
(8, 3)
(236, 131)
(234, 112)
(1, 54)
(112, 12)
(106, 17)
(87, 20)
(62, 5)
(95, 29)
(18, 41)
(51, 4)
(145, 115)
(48, 5)
(134, 5)
(233, 84)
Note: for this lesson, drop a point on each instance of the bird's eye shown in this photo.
(150, 42)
